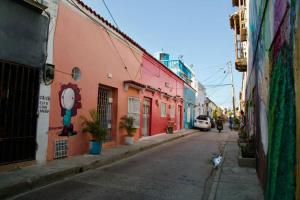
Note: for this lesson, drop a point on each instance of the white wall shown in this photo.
(200, 100)
(44, 94)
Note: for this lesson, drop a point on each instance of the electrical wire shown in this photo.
(108, 31)
(213, 75)
(112, 17)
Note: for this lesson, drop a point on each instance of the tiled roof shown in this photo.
(123, 34)
(110, 25)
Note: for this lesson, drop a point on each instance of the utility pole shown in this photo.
(229, 65)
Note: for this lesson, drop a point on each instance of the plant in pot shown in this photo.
(247, 154)
(127, 123)
(92, 125)
(236, 123)
(170, 127)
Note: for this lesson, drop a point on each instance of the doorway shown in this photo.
(105, 109)
(19, 91)
(178, 118)
(146, 117)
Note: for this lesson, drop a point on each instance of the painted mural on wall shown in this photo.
(271, 31)
(69, 98)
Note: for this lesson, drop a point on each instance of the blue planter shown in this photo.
(95, 147)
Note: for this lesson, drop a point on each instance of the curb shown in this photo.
(214, 187)
(39, 181)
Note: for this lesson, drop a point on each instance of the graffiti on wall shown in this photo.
(69, 98)
(271, 28)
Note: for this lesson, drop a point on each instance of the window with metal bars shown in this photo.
(105, 109)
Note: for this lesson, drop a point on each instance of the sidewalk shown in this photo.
(234, 182)
(28, 178)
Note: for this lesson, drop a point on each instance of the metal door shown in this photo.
(105, 109)
(19, 89)
(179, 117)
(146, 117)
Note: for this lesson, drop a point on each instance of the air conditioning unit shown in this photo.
(40, 5)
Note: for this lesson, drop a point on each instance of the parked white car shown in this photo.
(202, 122)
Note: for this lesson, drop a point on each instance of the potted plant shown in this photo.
(92, 126)
(170, 127)
(247, 154)
(236, 123)
(127, 124)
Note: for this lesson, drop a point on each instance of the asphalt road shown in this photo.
(176, 170)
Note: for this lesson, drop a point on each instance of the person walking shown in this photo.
(230, 120)
(219, 124)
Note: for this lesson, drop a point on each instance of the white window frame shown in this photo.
(172, 111)
(163, 109)
(134, 110)
(188, 114)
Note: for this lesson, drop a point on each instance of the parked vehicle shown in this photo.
(202, 122)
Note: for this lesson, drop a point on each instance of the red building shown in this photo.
(162, 99)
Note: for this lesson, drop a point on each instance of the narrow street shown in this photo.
(176, 170)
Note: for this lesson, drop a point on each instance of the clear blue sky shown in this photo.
(197, 29)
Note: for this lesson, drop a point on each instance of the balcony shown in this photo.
(235, 22)
(243, 34)
(241, 64)
(235, 3)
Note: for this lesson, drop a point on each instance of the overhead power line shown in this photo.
(112, 17)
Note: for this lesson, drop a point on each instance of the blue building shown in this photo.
(186, 74)
(189, 104)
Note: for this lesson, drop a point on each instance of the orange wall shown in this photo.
(80, 42)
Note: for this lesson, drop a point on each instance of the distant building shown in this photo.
(211, 106)
(187, 74)
(200, 107)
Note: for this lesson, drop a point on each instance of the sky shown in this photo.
(196, 29)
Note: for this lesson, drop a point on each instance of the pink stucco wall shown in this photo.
(81, 43)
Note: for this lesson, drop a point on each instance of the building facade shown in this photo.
(200, 105)
(272, 92)
(107, 71)
(52, 74)
(25, 60)
(211, 107)
(189, 105)
(190, 85)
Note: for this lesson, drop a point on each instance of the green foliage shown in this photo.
(248, 151)
(229, 113)
(217, 113)
(93, 127)
(127, 124)
(236, 121)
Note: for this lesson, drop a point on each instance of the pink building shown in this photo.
(99, 67)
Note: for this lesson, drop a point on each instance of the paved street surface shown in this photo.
(176, 170)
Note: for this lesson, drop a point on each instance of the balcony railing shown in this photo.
(241, 64)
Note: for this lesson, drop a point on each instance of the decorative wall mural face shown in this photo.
(69, 97)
